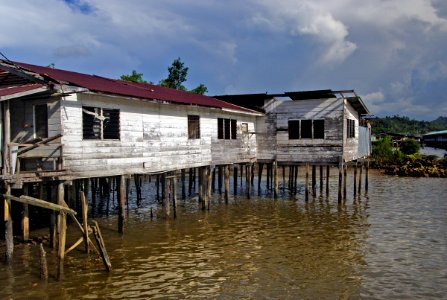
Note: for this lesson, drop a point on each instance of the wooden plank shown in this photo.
(100, 242)
(43, 151)
(40, 203)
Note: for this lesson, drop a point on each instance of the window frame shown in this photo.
(193, 133)
(227, 129)
(39, 122)
(308, 127)
(100, 129)
(350, 128)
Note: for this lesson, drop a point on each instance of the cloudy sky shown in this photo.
(392, 52)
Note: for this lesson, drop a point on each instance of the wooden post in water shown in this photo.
(219, 179)
(247, 180)
(43, 263)
(275, 181)
(190, 179)
(268, 176)
(345, 179)
(157, 186)
(355, 179)
(166, 205)
(283, 177)
(25, 216)
(84, 220)
(360, 177)
(366, 176)
(213, 180)
(235, 180)
(327, 179)
(121, 203)
(295, 179)
(174, 194)
(306, 189)
(208, 176)
(183, 177)
(321, 180)
(53, 225)
(227, 183)
(201, 189)
(340, 180)
(314, 180)
(252, 174)
(260, 167)
(9, 239)
(62, 225)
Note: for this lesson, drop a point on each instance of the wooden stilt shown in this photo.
(321, 180)
(213, 180)
(157, 186)
(355, 179)
(43, 263)
(183, 177)
(268, 177)
(260, 167)
(345, 180)
(201, 189)
(227, 183)
(291, 179)
(174, 194)
(190, 180)
(295, 179)
(25, 216)
(366, 176)
(85, 220)
(208, 175)
(314, 181)
(121, 203)
(283, 177)
(62, 225)
(252, 174)
(242, 172)
(360, 177)
(307, 183)
(166, 205)
(53, 227)
(247, 180)
(327, 180)
(235, 179)
(219, 180)
(340, 181)
(275, 181)
(9, 240)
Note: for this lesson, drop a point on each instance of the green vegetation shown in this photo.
(405, 126)
(134, 77)
(176, 77)
(406, 161)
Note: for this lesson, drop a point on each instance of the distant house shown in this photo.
(437, 139)
(62, 125)
(317, 127)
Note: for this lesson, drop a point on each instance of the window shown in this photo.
(100, 124)
(244, 127)
(226, 129)
(306, 129)
(193, 127)
(40, 121)
(294, 129)
(350, 130)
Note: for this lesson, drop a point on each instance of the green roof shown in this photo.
(436, 132)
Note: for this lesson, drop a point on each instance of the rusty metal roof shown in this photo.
(129, 89)
(8, 92)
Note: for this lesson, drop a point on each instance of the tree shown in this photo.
(383, 151)
(134, 77)
(409, 147)
(177, 76)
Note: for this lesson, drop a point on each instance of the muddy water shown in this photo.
(391, 243)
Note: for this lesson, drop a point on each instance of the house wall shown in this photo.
(153, 138)
(274, 139)
(351, 145)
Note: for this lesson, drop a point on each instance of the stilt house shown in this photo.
(315, 127)
(64, 125)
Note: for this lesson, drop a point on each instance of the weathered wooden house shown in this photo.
(65, 125)
(314, 127)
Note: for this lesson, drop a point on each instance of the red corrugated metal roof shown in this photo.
(11, 90)
(130, 89)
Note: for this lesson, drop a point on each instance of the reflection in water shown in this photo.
(391, 243)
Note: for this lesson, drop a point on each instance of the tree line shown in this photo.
(406, 126)
(177, 74)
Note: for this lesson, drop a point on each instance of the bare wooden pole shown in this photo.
(43, 263)
(260, 167)
(166, 206)
(219, 179)
(85, 220)
(360, 177)
(174, 194)
(62, 225)
(366, 176)
(327, 180)
(190, 181)
(213, 180)
(355, 179)
(314, 180)
(209, 178)
(284, 177)
(295, 179)
(321, 180)
(183, 177)
(247, 180)
(235, 180)
(307, 183)
(121, 203)
(227, 183)
(268, 176)
(25, 216)
(275, 176)
(345, 179)
(9, 240)
(340, 181)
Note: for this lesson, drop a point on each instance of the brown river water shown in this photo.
(388, 244)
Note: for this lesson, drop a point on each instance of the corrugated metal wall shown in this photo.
(364, 141)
